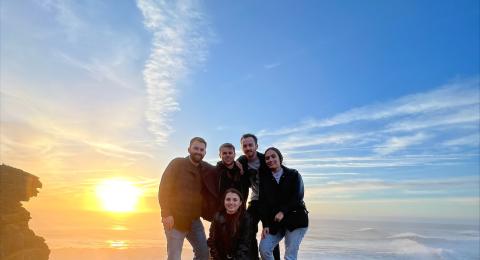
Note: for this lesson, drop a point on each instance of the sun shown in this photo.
(118, 195)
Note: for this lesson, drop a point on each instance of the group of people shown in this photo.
(191, 189)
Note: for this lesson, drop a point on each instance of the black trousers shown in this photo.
(254, 212)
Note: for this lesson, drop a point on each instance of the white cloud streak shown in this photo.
(178, 43)
(451, 96)
(397, 143)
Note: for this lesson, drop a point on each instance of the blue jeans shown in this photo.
(292, 243)
(196, 237)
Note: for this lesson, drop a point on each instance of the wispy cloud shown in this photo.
(449, 97)
(398, 188)
(272, 65)
(395, 143)
(178, 43)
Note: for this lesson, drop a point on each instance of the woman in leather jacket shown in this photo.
(284, 214)
(230, 229)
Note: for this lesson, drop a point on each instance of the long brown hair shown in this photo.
(233, 223)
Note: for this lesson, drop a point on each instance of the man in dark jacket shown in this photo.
(217, 179)
(180, 199)
(254, 166)
(229, 173)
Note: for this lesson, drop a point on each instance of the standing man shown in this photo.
(254, 165)
(229, 173)
(180, 199)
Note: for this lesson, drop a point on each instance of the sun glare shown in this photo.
(118, 195)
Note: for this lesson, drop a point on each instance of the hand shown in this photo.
(265, 232)
(239, 165)
(168, 222)
(278, 217)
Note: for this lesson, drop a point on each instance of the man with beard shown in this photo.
(254, 165)
(180, 199)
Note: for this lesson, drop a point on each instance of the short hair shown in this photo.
(226, 145)
(280, 156)
(249, 135)
(198, 139)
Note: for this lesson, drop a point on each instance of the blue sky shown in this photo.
(375, 102)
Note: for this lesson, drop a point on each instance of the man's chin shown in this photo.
(196, 159)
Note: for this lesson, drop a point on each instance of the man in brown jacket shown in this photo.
(180, 199)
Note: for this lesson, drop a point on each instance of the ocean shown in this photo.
(135, 238)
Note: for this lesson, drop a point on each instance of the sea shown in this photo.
(136, 238)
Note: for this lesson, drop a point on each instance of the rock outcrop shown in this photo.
(17, 240)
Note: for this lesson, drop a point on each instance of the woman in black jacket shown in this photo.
(283, 211)
(230, 229)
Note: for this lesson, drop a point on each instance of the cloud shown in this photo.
(398, 188)
(178, 44)
(395, 144)
(451, 96)
(272, 65)
(470, 140)
(413, 130)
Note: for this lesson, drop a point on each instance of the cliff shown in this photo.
(17, 240)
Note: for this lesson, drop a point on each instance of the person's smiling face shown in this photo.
(232, 202)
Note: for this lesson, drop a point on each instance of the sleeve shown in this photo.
(166, 187)
(295, 200)
(211, 240)
(244, 239)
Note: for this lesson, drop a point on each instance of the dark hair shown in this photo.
(280, 156)
(232, 223)
(226, 145)
(198, 139)
(249, 135)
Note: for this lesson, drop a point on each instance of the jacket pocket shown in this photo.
(296, 219)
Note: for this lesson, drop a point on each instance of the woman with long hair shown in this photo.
(284, 214)
(230, 229)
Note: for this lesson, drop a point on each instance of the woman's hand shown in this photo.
(278, 217)
(265, 232)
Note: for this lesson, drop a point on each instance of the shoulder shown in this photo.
(261, 155)
(179, 160)
(290, 171)
(242, 159)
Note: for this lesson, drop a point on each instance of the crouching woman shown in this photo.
(284, 214)
(230, 229)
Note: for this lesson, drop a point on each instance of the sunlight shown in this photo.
(118, 195)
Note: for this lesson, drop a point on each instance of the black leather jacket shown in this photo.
(240, 247)
(287, 197)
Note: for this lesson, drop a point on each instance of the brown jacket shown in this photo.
(179, 193)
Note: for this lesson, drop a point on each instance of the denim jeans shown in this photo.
(292, 243)
(196, 237)
(253, 210)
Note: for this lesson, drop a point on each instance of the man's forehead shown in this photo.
(248, 140)
(227, 149)
(198, 144)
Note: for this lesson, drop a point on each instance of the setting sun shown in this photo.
(118, 195)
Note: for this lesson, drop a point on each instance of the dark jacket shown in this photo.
(285, 196)
(210, 194)
(232, 178)
(252, 174)
(240, 243)
(179, 192)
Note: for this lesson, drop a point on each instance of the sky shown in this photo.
(376, 103)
